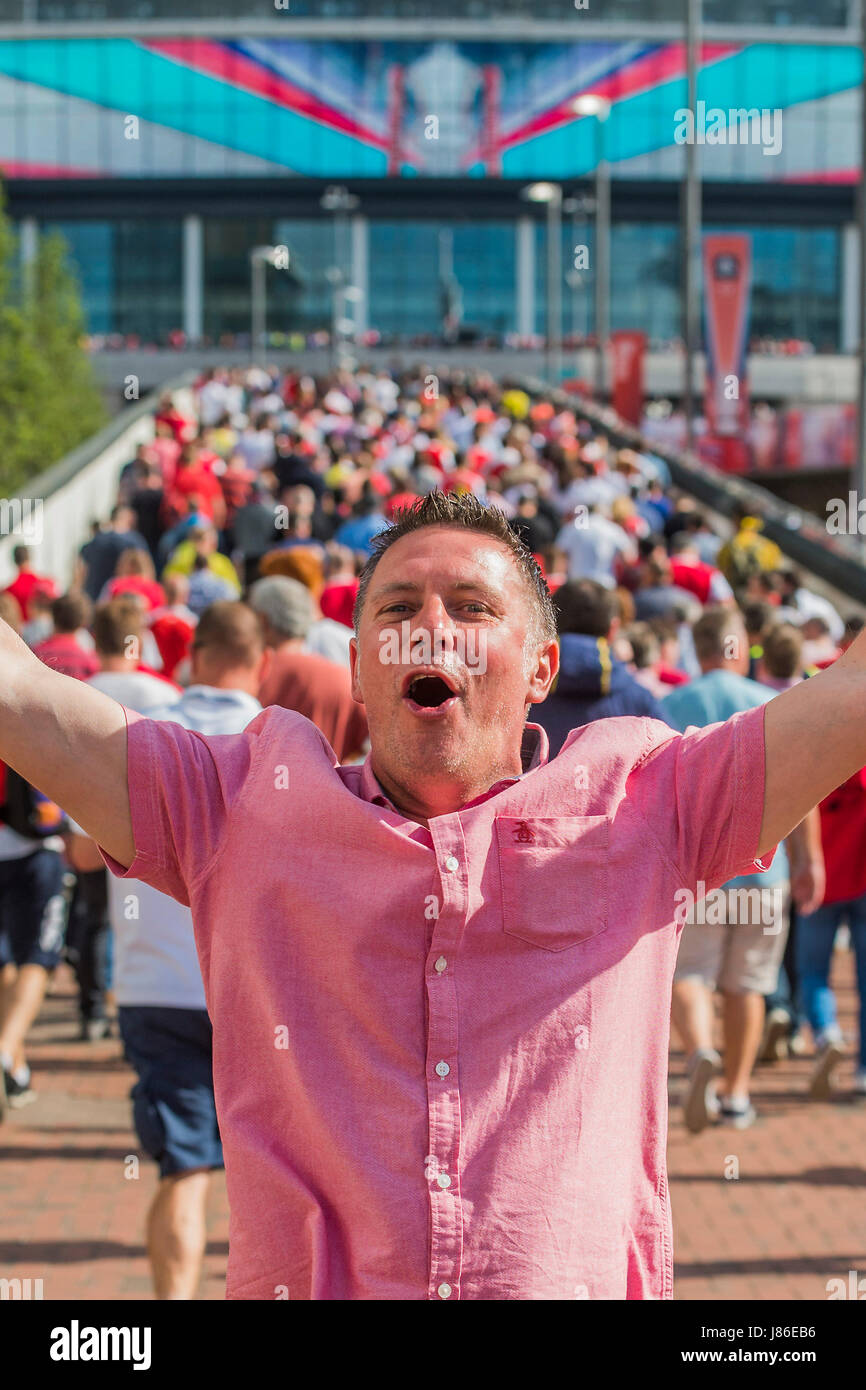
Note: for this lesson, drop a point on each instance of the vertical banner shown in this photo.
(628, 361)
(727, 294)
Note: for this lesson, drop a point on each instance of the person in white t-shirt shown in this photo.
(593, 545)
(161, 999)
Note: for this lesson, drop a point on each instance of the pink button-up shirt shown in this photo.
(440, 1056)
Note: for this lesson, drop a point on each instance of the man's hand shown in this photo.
(814, 740)
(69, 741)
(806, 858)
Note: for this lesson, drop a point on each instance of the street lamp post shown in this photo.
(551, 195)
(578, 208)
(260, 258)
(338, 200)
(591, 104)
(691, 225)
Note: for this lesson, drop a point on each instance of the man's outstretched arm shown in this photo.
(814, 740)
(69, 741)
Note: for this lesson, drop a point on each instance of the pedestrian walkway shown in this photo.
(793, 1218)
(71, 1214)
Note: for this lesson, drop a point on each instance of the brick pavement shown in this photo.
(793, 1218)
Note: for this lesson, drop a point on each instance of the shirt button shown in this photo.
(440, 965)
(452, 864)
(443, 1180)
(442, 1068)
(444, 1290)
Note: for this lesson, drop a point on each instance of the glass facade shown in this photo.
(298, 300)
(315, 248)
(131, 277)
(796, 281)
(411, 261)
(130, 273)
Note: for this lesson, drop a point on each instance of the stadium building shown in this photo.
(389, 147)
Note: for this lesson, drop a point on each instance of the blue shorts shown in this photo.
(172, 1101)
(32, 909)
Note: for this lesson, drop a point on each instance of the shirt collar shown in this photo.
(534, 748)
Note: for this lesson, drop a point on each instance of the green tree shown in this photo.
(49, 398)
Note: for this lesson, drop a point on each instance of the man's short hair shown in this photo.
(713, 628)
(783, 651)
(585, 606)
(231, 632)
(759, 616)
(464, 512)
(20, 555)
(69, 612)
(114, 624)
(286, 604)
(644, 645)
(680, 541)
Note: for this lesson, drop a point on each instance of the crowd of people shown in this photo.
(225, 580)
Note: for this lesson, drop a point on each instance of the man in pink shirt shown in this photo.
(439, 982)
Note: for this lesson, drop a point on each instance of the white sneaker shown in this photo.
(830, 1054)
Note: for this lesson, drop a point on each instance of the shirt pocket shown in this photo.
(555, 878)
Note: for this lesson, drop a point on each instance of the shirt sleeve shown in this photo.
(182, 787)
(701, 794)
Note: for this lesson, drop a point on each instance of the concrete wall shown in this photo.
(819, 380)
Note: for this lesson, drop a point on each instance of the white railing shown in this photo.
(53, 516)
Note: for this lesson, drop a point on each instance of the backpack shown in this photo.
(27, 811)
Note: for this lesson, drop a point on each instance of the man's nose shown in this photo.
(433, 616)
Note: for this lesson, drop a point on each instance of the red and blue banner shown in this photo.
(216, 107)
(727, 291)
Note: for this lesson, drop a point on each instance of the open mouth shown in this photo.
(429, 693)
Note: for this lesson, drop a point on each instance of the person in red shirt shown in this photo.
(27, 581)
(337, 600)
(843, 837)
(166, 451)
(194, 484)
(237, 486)
(690, 572)
(301, 680)
(135, 574)
(62, 651)
(168, 414)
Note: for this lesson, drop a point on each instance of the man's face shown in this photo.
(448, 659)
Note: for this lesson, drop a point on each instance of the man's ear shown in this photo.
(266, 661)
(355, 671)
(545, 670)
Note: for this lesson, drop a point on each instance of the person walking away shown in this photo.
(735, 940)
(164, 1023)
